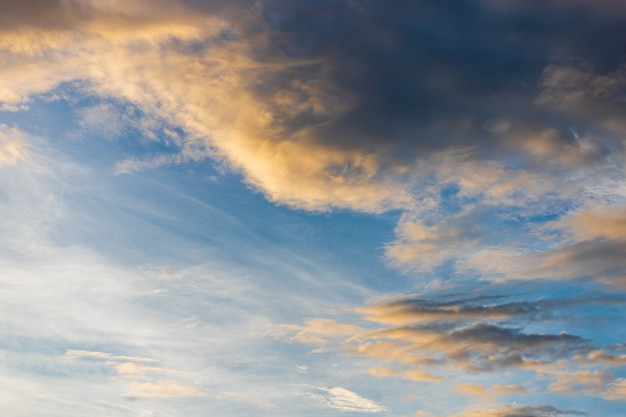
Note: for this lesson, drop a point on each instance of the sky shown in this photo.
(313, 208)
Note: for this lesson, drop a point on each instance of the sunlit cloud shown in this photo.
(488, 394)
(514, 411)
(428, 341)
(12, 146)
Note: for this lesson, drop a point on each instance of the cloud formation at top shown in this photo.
(447, 111)
(361, 97)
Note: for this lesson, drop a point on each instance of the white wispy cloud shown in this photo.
(345, 400)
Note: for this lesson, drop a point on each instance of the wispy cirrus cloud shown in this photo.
(345, 400)
(141, 377)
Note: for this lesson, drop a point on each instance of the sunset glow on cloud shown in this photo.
(313, 208)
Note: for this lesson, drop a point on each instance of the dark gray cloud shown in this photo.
(602, 259)
(474, 334)
(414, 310)
(426, 75)
(479, 347)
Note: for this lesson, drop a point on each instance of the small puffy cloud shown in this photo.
(615, 391)
(11, 101)
(573, 382)
(133, 369)
(345, 400)
(473, 389)
(598, 222)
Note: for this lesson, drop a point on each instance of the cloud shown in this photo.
(12, 145)
(461, 131)
(317, 331)
(591, 247)
(346, 400)
(587, 95)
(308, 126)
(407, 311)
(141, 380)
(588, 382)
(601, 222)
(77, 354)
(478, 347)
(519, 411)
(416, 375)
(161, 390)
(615, 391)
(443, 339)
(492, 148)
(488, 394)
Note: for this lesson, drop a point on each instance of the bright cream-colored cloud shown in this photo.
(615, 391)
(489, 394)
(132, 55)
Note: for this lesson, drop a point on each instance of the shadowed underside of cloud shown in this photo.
(407, 311)
(424, 340)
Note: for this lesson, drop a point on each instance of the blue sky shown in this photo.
(329, 208)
